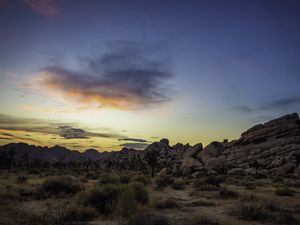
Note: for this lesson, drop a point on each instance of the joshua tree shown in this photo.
(151, 157)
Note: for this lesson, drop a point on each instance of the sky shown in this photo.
(109, 74)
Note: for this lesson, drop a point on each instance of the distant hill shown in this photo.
(53, 153)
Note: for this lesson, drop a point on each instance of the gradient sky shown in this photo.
(108, 74)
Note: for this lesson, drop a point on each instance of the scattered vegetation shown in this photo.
(59, 185)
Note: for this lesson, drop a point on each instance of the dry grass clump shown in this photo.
(250, 207)
(227, 193)
(166, 203)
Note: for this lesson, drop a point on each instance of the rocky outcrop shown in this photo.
(274, 145)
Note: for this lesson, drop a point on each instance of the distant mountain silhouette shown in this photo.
(53, 153)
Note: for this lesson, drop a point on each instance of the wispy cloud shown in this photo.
(277, 104)
(67, 130)
(46, 8)
(133, 139)
(128, 76)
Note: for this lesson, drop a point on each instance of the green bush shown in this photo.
(104, 198)
(126, 204)
(119, 198)
(141, 193)
(60, 185)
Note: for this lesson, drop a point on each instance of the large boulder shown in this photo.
(216, 164)
(214, 149)
(191, 164)
(193, 151)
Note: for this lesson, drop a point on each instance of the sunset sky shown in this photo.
(107, 74)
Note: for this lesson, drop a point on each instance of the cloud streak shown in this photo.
(277, 104)
(133, 139)
(46, 8)
(128, 76)
(66, 131)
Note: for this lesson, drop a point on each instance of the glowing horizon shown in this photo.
(106, 75)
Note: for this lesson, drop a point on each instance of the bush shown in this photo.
(141, 193)
(141, 179)
(250, 208)
(104, 198)
(149, 219)
(60, 185)
(121, 198)
(284, 191)
(109, 179)
(178, 184)
(227, 193)
(126, 204)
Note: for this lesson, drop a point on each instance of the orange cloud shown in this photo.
(46, 8)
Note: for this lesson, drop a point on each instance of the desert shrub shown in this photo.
(125, 178)
(102, 198)
(140, 191)
(250, 208)
(224, 192)
(141, 179)
(200, 220)
(119, 198)
(178, 184)
(59, 185)
(284, 191)
(163, 181)
(167, 203)
(126, 203)
(21, 179)
(109, 179)
(149, 219)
